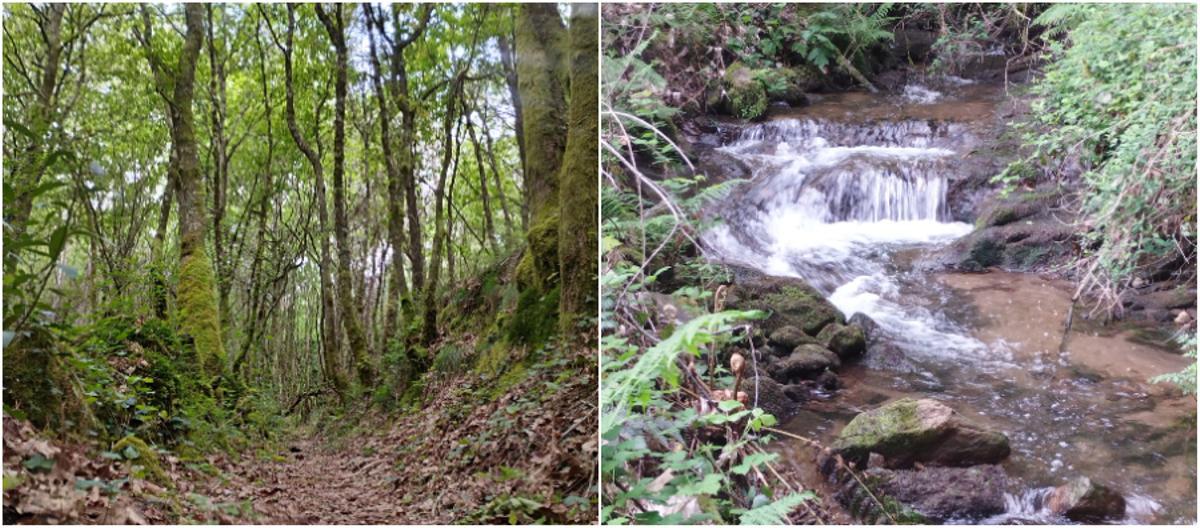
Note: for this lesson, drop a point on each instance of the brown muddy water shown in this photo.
(847, 193)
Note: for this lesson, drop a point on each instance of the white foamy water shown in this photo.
(829, 202)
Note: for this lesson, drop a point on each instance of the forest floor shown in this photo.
(521, 448)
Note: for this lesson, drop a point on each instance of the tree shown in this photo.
(359, 346)
(200, 315)
(577, 252)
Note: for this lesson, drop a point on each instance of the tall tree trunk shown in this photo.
(44, 113)
(329, 342)
(429, 327)
(359, 346)
(577, 251)
(539, 61)
(500, 195)
(220, 164)
(514, 93)
(395, 185)
(489, 228)
(200, 313)
(408, 138)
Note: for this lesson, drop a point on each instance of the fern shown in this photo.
(774, 512)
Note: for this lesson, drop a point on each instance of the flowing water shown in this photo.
(847, 193)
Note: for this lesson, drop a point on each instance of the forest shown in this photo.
(302, 263)
(898, 263)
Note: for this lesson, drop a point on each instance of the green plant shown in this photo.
(1118, 99)
(1186, 378)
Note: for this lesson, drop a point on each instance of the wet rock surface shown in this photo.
(1084, 500)
(938, 494)
(907, 431)
(790, 301)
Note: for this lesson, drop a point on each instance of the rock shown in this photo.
(1171, 299)
(938, 494)
(745, 95)
(1015, 232)
(772, 396)
(719, 166)
(1085, 501)
(907, 431)
(868, 325)
(806, 361)
(788, 337)
(790, 302)
(847, 341)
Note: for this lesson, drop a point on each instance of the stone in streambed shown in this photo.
(936, 494)
(907, 431)
(787, 338)
(771, 395)
(847, 341)
(1083, 500)
(789, 301)
(806, 361)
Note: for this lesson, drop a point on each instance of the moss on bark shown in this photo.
(578, 192)
(199, 316)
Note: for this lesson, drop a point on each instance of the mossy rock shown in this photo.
(747, 95)
(847, 341)
(1085, 501)
(789, 84)
(805, 362)
(907, 431)
(786, 338)
(789, 301)
(137, 453)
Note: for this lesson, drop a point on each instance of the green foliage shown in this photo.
(535, 318)
(1186, 378)
(1119, 99)
(774, 512)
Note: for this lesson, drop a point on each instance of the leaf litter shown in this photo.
(527, 455)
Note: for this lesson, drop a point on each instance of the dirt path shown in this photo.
(315, 483)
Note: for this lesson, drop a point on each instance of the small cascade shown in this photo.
(847, 194)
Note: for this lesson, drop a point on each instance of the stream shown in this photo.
(849, 193)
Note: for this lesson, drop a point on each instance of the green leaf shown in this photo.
(58, 239)
(710, 485)
(774, 512)
(38, 463)
(130, 453)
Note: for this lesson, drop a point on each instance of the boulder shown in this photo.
(787, 338)
(1014, 232)
(907, 431)
(938, 494)
(746, 97)
(772, 396)
(789, 301)
(805, 362)
(1083, 500)
(847, 341)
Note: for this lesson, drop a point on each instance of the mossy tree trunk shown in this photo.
(200, 316)
(360, 347)
(577, 251)
(541, 83)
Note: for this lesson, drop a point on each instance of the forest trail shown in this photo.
(314, 483)
(518, 447)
